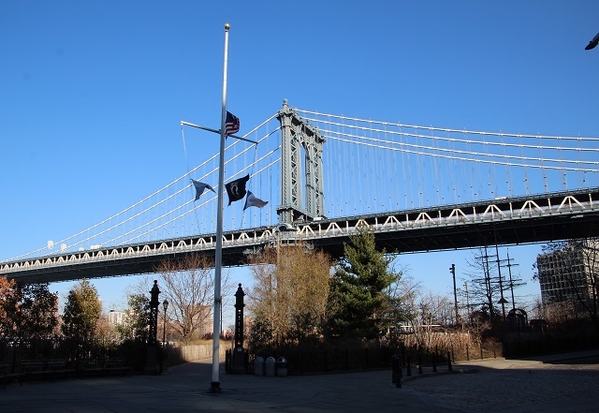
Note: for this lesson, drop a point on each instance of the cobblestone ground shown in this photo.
(517, 387)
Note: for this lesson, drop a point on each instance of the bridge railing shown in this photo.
(557, 215)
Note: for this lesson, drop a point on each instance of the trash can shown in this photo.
(259, 366)
(270, 366)
(281, 367)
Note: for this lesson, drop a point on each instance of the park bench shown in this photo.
(7, 375)
(44, 369)
(89, 368)
(96, 367)
(117, 366)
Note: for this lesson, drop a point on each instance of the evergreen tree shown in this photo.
(359, 289)
(82, 311)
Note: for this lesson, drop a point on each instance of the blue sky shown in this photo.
(93, 92)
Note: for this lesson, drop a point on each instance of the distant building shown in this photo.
(202, 316)
(569, 274)
(116, 318)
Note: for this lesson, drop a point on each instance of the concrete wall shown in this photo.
(197, 352)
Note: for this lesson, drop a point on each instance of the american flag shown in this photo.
(232, 124)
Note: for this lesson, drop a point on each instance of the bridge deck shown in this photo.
(541, 218)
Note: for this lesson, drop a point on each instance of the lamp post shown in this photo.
(455, 294)
(165, 307)
(238, 364)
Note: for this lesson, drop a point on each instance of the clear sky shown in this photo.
(92, 92)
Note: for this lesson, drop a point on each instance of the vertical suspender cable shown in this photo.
(437, 183)
(403, 169)
(194, 208)
(525, 170)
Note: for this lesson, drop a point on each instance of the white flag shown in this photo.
(252, 200)
(200, 186)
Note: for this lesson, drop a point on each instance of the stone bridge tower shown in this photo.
(302, 187)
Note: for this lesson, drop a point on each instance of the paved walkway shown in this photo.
(561, 383)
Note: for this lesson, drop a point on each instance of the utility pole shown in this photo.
(509, 266)
(484, 260)
(455, 293)
(502, 300)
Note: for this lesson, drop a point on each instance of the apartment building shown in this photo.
(569, 273)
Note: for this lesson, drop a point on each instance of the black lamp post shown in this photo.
(165, 307)
(238, 364)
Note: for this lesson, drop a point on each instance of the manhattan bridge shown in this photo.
(418, 188)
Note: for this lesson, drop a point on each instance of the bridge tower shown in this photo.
(302, 195)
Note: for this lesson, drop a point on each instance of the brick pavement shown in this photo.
(557, 383)
(562, 384)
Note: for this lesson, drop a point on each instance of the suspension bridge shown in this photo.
(419, 188)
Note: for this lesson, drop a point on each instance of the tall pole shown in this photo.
(455, 294)
(165, 307)
(509, 268)
(487, 272)
(215, 383)
(502, 300)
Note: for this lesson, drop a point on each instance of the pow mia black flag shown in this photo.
(236, 189)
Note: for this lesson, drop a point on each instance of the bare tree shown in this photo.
(423, 311)
(289, 298)
(539, 310)
(188, 285)
(563, 313)
(105, 332)
(407, 294)
(590, 298)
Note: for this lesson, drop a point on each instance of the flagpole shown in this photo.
(193, 125)
(215, 383)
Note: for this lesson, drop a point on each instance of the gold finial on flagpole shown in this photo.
(227, 27)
